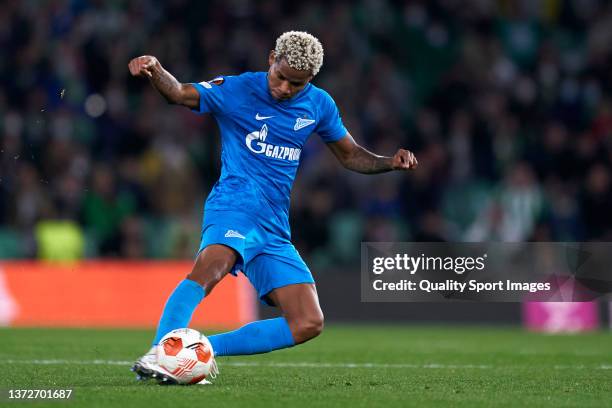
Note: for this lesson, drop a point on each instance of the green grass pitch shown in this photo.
(347, 366)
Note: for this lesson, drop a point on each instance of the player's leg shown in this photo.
(212, 264)
(300, 307)
(302, 320)
(224, 239)
(282, 279)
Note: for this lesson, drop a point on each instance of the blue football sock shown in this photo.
(179, 308)
(256, 337)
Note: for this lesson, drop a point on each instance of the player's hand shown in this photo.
(143, 66)
(404, 160)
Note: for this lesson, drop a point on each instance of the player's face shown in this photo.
(285, 82)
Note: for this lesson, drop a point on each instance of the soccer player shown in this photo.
(265, 119)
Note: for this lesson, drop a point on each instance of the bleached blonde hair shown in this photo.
(302, 51)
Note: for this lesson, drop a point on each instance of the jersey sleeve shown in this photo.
(215, 95)
(330, 126)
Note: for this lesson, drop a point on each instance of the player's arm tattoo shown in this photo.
(366, 162)
(172, 90)
(356, 158)
(166, 84)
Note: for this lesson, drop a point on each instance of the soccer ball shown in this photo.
(186, 355)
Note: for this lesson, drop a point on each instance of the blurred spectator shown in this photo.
(597, 202)
(132, 239)
(514, 213)
(105, 208)
(59, 240)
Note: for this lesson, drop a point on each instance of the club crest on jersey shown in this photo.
(255, 141)
(302, 123)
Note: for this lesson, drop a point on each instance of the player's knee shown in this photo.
(207, 280)
(208, 274)
(308, 328)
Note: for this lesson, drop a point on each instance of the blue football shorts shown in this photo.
(268, 260)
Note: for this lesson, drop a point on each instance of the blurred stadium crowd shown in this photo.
(506, 104)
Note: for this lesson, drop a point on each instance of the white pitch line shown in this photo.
(253, 364)
(68, 362)
(352, 365)
(583, 367)
(310, 365)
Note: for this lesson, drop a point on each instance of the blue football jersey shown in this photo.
(262, 140)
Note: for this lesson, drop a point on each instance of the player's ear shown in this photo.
(271, 58)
